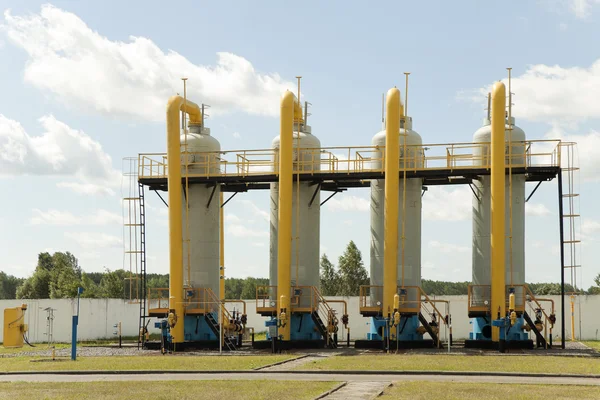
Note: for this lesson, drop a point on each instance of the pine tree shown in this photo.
(330, 279)
(352, 271)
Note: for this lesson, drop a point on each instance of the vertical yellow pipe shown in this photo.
(392, 180)
(174, 106)
(284, 231)
(498, 231)
(221, 251)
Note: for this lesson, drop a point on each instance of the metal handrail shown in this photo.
(346, 160)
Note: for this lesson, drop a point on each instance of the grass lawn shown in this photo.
(214, 390)
(169, 362)
(592, 344)
(392, 362)
(476, 391)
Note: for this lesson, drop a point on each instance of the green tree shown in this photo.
(9, 285)
(352, 271)
(112, 284)
(330, 279)
(249, 287)
(65, 276)
(233, 288)
(90, 289)
(37, 286)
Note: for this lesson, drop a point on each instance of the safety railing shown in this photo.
(346, 160)
(435, 317)
(370, 300)
(479, 297)
(266, 299)
(158, 301)
(543, 320)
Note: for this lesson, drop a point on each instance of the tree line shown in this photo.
(58, 276)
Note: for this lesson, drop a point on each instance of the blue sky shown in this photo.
(84, 84)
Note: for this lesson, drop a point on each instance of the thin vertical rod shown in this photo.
(510, 181)
(298, 192)
(404, 167)
(187, 187)
(562, 258)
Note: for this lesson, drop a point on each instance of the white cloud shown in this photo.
(586, 155)
(551, 93)
(93, 240)
(440, 204)
(563, 27)
(104, 217)
(232, 218)
(590, 227)
(250, 206)
(582, 8)
(536, 210)
(59, 151)
(448, 247)
(53, 217)
(236, 135)
(65, 218)
(244, 232)
(343, 202)
(88, 189)
(133, 77)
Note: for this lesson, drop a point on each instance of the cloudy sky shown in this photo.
(84, 85)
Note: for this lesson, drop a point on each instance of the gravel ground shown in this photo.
(93, 351)
(572, 349)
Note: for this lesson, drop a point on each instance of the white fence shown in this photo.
(97, 317)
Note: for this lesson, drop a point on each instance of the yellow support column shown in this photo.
(174, 107)
(392, 179)
(498, 231)
(284, 230)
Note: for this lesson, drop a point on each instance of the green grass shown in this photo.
(403, 362)
(476, 391)
(593, 344)
(214, 390)
(167, 362)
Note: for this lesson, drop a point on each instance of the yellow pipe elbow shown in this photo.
(175, 105)
(392, 179)
(498, 231)
(289, 104)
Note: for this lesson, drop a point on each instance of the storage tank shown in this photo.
(203, 221)
(412, 214)
(482, 214)
(307, 267)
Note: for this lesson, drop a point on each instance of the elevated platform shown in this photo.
(339, 168)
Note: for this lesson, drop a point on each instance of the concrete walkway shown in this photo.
(321, 376)
(358, 390)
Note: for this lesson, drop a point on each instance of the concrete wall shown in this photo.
(97, 317)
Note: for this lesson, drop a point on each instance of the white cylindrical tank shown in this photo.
(203, 221)
(411, 214)
(305, 264)
(482, 214)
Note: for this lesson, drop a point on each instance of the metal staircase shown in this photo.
(324, 312)
(215, 328)
(429, 328)
(540, 339)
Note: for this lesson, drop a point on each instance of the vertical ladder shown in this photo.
(142, 281)
(131, 228)
(571, 218)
